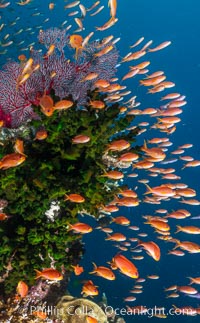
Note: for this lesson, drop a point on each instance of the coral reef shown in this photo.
(32, 234)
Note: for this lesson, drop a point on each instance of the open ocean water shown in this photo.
(159, 20)
(177, 21)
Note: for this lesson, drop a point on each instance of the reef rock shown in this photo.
(73, 310)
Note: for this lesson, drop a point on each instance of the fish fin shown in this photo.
(159, 119)
(70, 227)
(178, 229)
(108, 237)
(38, 273)
(66, 198)
(149, 189)
(112, 265)
(94, 270)
(177, 244)
(191, 280)
(145, 144)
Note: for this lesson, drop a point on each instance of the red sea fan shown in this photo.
(16, 103)
(17, 100)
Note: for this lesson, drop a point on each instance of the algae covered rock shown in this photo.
(73, 310)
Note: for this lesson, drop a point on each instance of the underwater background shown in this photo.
(177, 21)
(174, 20)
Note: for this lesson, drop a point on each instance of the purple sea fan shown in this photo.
(57, 72)
(54, 36)
(16, 102)
(68, 73)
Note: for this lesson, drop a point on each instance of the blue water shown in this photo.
(177, 21)
(158, 20)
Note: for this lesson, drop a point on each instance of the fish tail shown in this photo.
(145, 144)
(191, 280)
(183, 167)
(108, 237)
(76, 54)
(1, 165)
(116, 200)
(38, 274)
(177, 243)
(149, 189)
(70, 227)
(174, 306)
(178, 229)
(66, 198)
(159, 119)
(94, 269)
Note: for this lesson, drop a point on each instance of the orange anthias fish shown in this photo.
(76, 198)
(97, 104)
(195, 280)
(89, 289)
(113, 174)
(116, 237)
(51, 5)
(188, 229)
(22, 289)
(113, 8)
(3, 216)
(76, 42)
(119, 145)
(50, 51)
(154, 152)
(121, 220)
(125, 266)
(80, 227)
(63, 105)
(162, 190)
(90, 319)
(49, 274)
(11, 160)
(187, 290)
(40, 314)
(19, 147)
(78, 270)
(159, 47)
(80, 139)
(41, 134)
(103, 272)
(189, 246)
(151, 248)
(128, 157)
(46, 103)
(104, 51)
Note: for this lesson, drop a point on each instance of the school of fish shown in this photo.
(154, 160)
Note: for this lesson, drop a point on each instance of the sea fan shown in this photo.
(56, 72)
(16, 102)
